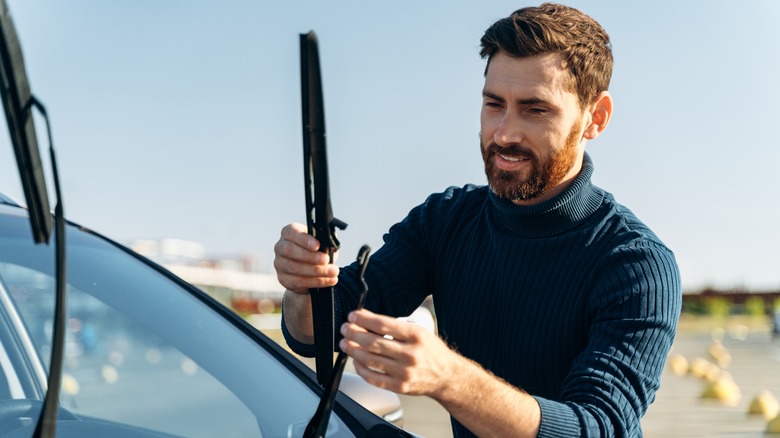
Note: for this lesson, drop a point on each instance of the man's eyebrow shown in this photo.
(526, 101)
(532, 101)
(493, 96)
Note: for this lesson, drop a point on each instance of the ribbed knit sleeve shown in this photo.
(635, 306)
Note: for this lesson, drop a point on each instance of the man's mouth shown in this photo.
(512, 158)
(511, 161)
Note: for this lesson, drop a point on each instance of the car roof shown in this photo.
(8, 201)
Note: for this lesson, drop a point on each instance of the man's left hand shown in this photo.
(402, 357)
(406, 358)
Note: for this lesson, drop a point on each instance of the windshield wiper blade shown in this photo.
(18, 103)
(15, 92)
(319, 214)
(318, 424)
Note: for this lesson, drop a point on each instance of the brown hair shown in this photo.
(553, 28)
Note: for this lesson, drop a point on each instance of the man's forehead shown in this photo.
(543, 73)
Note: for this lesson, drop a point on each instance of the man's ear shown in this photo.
(600, 113)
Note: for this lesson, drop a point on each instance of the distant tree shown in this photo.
(754, 306)
(718, 307)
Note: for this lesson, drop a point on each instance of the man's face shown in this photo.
(531, 136)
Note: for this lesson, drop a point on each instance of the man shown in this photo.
(555, 305)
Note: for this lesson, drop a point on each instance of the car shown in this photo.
(146, 353)
(97, 340)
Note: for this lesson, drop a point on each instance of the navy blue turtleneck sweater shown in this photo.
(574, 300)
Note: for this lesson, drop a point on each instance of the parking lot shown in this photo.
(755, 366)
(678, 411)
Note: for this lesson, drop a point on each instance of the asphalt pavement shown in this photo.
(679, 410)
(752, 361)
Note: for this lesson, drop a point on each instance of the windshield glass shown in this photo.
(140, 350)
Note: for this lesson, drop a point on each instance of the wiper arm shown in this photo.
(17, 104)
(47, 422)
(318, 424)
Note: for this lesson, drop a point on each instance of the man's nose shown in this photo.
(508, 133)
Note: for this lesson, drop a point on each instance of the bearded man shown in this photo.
(556, 307)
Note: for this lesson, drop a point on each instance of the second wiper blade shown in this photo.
(319, 422)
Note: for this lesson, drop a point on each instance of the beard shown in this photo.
(546, 172)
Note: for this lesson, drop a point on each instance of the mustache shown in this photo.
(512, 150)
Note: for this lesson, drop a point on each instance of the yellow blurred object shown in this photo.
(723, 389)
(773, 426)
(739, 332)
(713, 374)
(764, 404)
(678, 364)
(109, 373)
(719, 354)
(70, 385)
(703, 369)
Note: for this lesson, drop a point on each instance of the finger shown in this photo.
(404, 373)
(298, 233)
(379, 379)
(376, 362)
(297, 245)
(383, 325)
(294, 260)
(299, 267)
(302, 285)
(286, 251)
(358, 338)
(296, 276)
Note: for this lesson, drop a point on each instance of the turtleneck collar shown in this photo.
(554, 216)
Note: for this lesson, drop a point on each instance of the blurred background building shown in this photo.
(241, 283)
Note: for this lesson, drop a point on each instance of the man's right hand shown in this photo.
(298, 263)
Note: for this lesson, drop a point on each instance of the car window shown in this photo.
(142, 351)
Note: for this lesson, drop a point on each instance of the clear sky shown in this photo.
(181, 118)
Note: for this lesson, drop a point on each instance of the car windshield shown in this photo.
(141, 351)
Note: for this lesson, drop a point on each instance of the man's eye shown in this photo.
(538, 111)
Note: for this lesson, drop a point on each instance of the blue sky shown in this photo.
(181, 118)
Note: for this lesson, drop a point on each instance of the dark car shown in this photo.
(98, 341)
(146, 353)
